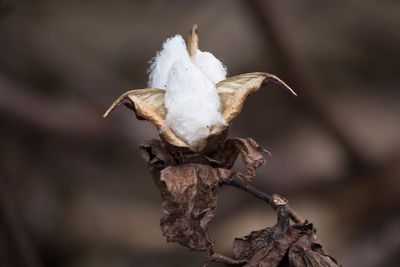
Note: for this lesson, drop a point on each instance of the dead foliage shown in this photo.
(189, 182)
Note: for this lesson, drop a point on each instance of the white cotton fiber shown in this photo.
(191, 98)
(210, 66)
(173, 49)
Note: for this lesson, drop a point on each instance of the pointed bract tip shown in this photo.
(274, 79)
(292, 91)
(106, 113)
(194, 28)
(111, 108)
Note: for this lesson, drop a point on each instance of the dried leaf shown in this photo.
(189, 192)
(234, 91)
(161, 154)
(251, 152)
(189, 201)
(306, 253)
(156, 154)
(270, 247)
(264, 247)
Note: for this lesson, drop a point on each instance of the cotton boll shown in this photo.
(192, 103)
(173, 49)
(191, 98)
(210, 66)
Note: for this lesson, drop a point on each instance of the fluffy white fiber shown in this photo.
(210, 66)
(191, 98)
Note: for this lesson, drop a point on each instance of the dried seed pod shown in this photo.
(149, 104)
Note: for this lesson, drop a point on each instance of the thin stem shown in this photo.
(236, 182)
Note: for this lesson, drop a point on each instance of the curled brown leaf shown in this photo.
(251, 153)
(307, 252)
(295, 247)
(188, 184)
(189, 195)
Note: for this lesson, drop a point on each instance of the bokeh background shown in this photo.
(74, 190)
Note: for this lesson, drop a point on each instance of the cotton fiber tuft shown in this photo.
(191, 98)
(210, 66)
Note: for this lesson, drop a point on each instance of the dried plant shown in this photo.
(189, 178)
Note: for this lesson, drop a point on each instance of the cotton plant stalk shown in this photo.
(192, 104)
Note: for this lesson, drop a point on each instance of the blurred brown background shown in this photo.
(74, 190)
